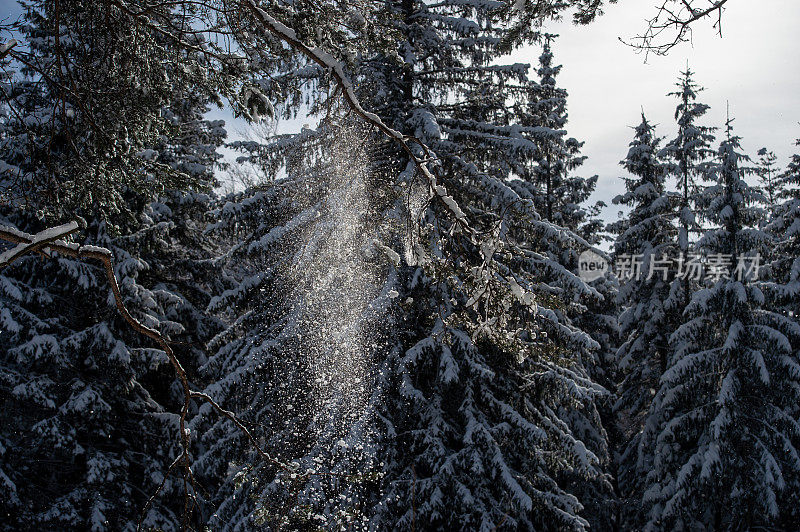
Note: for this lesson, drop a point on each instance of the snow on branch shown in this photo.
(491, 269)
(49, 239)
(6, 47)
(327, 61)
(32, 243)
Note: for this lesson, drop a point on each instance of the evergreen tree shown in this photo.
(688, 153)
(784, 269)
(80, 127)
(600, 496)
(86, 439)
(647, 234)
(726, 447)
(293, 326)
(784, 272)
(767, 175)
(499, 148)
(89, 428)
(558, 197)
(472, 382)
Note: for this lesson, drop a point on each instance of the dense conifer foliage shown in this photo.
(727, 400)
(88, 418)
(397, 314)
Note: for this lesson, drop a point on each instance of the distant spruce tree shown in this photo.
(784, 271)
(647, 233)
(687, 155)
(559, 197)
(785, 266)
(767, 174)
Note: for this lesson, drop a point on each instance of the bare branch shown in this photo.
(672, 24)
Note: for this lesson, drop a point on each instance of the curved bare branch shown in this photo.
(672, 24)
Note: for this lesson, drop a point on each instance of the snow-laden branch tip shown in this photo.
(33, 243)
(391, 254)
(6, 47)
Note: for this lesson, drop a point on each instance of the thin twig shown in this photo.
(678, 18)
(498, 525)
(413, 497)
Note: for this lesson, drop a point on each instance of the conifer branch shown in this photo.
(49, 239)
(326, 61)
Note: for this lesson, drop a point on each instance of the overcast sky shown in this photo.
(754, 67)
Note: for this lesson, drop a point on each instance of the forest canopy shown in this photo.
(392, 325)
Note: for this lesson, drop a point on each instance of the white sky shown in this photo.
(754, 67)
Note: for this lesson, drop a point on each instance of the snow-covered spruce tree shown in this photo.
(482, 145)
(726, 451)
(85, 440)
(784, 272)
(559, 197)
(277, 233)
(539, 116)
(466, 401)
(784, 226)
(688, 155)
(767, 174)
(178, 249)
(88, 432)
(685, 159)
(295, 359)
(599, 319)
(647, 319)
(784, 267)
